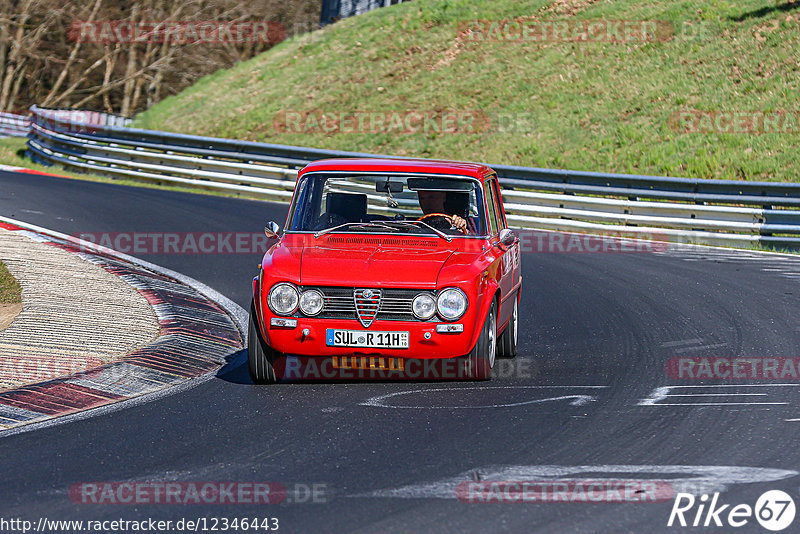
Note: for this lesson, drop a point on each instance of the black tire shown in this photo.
(507, 344)
(260, 356)
(481, 358)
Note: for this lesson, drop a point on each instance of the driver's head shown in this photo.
(432, 201)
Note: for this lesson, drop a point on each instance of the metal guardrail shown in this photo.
(13, 125)
(718, 212)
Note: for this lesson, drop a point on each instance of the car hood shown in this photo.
(372, 266)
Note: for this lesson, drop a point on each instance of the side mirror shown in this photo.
(507, 237)
(272, 230)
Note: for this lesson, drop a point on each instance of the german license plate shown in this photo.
(369, 340)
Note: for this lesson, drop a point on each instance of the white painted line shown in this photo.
(673, 250)
(379, 401)
(792, 420)
(715, 394)
(695, 479)
(664, 392)
(701, 347)
(737, 386)
(681, 342)
(720, 404)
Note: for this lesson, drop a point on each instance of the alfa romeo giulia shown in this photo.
(387, 268)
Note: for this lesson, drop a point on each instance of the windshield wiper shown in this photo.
(352, 224)
(438, 232)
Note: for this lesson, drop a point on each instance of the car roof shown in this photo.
(426, 166)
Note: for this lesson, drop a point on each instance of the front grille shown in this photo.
(395, 304)
(368, 302)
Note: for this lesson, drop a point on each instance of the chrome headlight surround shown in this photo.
(283, 298)
(311, 302)
(423, 306)
(451, 303)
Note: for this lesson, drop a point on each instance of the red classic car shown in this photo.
(386, 267)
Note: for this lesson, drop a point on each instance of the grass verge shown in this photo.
(10, 290)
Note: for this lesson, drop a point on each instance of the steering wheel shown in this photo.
(449, 218)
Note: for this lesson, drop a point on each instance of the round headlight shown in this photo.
(423, 306)
(283, 298)
(311, 302)
(451, 303)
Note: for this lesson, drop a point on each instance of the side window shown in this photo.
(492, 214)
(501, 218)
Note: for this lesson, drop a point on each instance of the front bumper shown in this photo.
(424, 341)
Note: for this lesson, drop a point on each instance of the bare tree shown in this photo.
(70, 60)
(16, 34)
(45, 58)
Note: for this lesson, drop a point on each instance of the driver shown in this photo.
(434, 201)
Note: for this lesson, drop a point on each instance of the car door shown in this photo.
(514, 251)
(504, 265)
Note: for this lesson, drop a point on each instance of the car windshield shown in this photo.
(325, 203)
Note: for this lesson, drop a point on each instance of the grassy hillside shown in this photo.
(589, 106)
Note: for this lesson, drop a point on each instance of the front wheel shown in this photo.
(260, 356)
(507, 345)
(480, 360)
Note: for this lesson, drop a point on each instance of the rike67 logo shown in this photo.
(774, 510)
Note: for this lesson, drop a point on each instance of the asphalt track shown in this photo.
(588, 319)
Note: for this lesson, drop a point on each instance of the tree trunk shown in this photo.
(111, 61)
(13, 57)
(3, 50)
(127, 90)
(17, 84)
